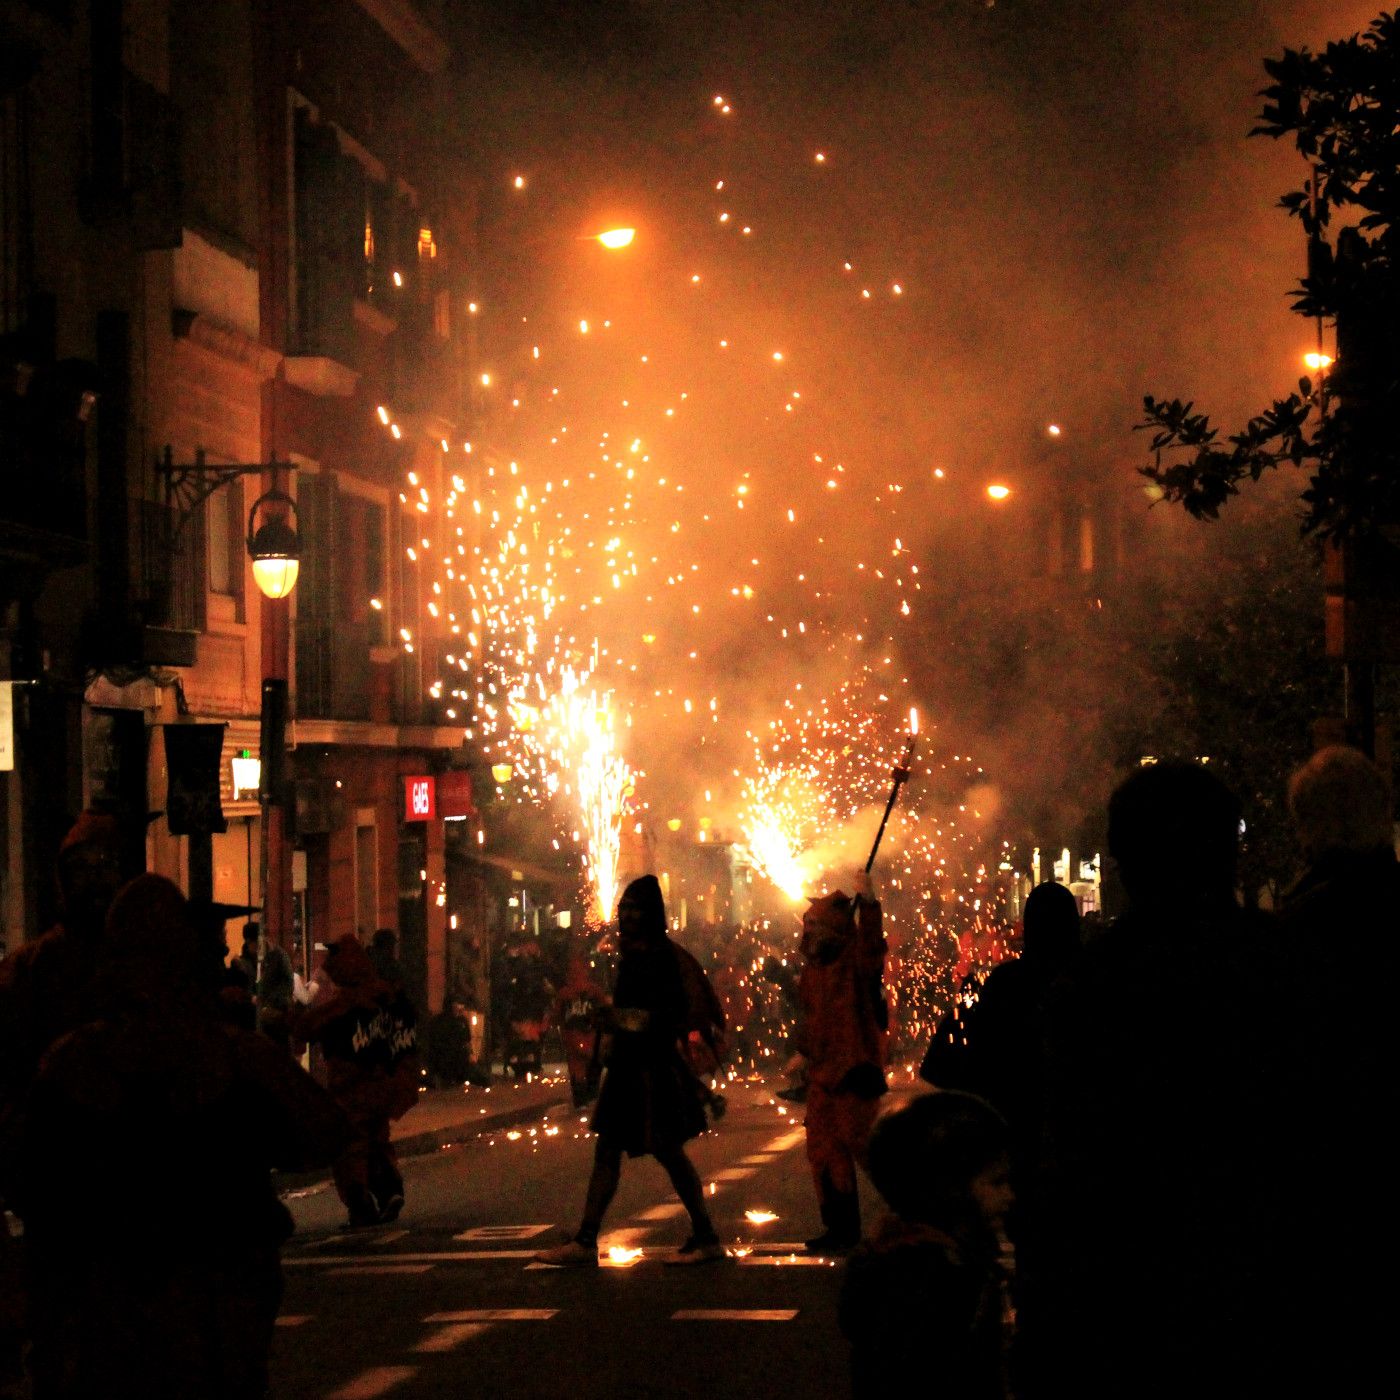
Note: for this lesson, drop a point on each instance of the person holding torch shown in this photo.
(843, 1035)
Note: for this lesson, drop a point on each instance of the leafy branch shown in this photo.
(1342, 108)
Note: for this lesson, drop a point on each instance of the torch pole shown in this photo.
(900, 774)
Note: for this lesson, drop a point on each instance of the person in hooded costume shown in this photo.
(163, 1285)
(842, 1039)
(647, 1103)
(367, 1031)
(44, 989)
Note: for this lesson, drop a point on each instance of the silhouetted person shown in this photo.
(577, 1014)
(162, 1284)
(384, 954)
(44, 992)
(44, 984)
(1340, 927)
(647, 1103)
(842, 1038)
(1001, 1058)
(924, 1299)
(1156, 1205)
(367, 1031)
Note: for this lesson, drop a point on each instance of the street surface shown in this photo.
(448, 1301)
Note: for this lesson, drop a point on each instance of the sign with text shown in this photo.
(419, 799)
(454, 794)
(7, 726)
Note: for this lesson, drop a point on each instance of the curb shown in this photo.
(418, 1144)
(434, 1139)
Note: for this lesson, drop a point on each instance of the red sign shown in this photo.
(454, 794)
(419, 799)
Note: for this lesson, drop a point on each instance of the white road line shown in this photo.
(293, 1319)
(494, 1315)
(786, 1261)
(734, 1315)
(782, 1144)
(378, 1380)
(483, 1234)
(389, 1238)
(667, 1210)
(759, 1159)
(365, 1270)
(444, 1257)
(445, 1338)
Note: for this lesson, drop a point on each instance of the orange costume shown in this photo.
(843, 1038)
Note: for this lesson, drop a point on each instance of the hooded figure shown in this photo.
(367, 1030)
(123, 1304)
(842, 1038)
(43, 985)
(647, 1103)
(1000, 1055)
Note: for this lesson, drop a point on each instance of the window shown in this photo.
(225, 535)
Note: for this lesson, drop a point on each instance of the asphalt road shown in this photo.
(447, 1301)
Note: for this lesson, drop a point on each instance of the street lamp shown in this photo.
(274, 547)
(616, 237)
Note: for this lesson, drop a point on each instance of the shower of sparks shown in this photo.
(588, 560)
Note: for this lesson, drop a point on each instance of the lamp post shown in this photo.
(274, 546)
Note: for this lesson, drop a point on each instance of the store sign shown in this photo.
(7, 726)
(419, 799)
(454, 795)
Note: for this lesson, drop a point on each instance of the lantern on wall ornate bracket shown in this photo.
(274, 545)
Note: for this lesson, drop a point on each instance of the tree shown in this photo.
(1342, 108)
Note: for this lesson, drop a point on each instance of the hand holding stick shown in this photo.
(900, 774)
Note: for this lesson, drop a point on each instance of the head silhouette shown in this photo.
(1341, 802)
(1050, 927)
(1174, 830)
(926, 1158)
(641, 915)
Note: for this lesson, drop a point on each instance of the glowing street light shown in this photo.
(1317, 361)
(616, 237)
(998, 492)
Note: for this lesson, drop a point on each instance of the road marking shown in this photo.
(445, 1257)
(389, 1238)
(365, 1270)
(758, 1261)
(481, 1234)
(759, 1159)
(293, 1319)
(494, 1315)
(378, 1380)
(448, 1337)
(734, 1315)
(665, 1211)
(733, 1174)
(782, 1144)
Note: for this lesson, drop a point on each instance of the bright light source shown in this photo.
(913, 721)
(998, 492)
(519, 182)
(1053, 430)
(1316, 360)
(617, 237)
(502, 772)
(276, 577)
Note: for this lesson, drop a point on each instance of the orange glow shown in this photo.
(997, 492)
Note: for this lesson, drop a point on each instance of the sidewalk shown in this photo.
(444, 1116)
